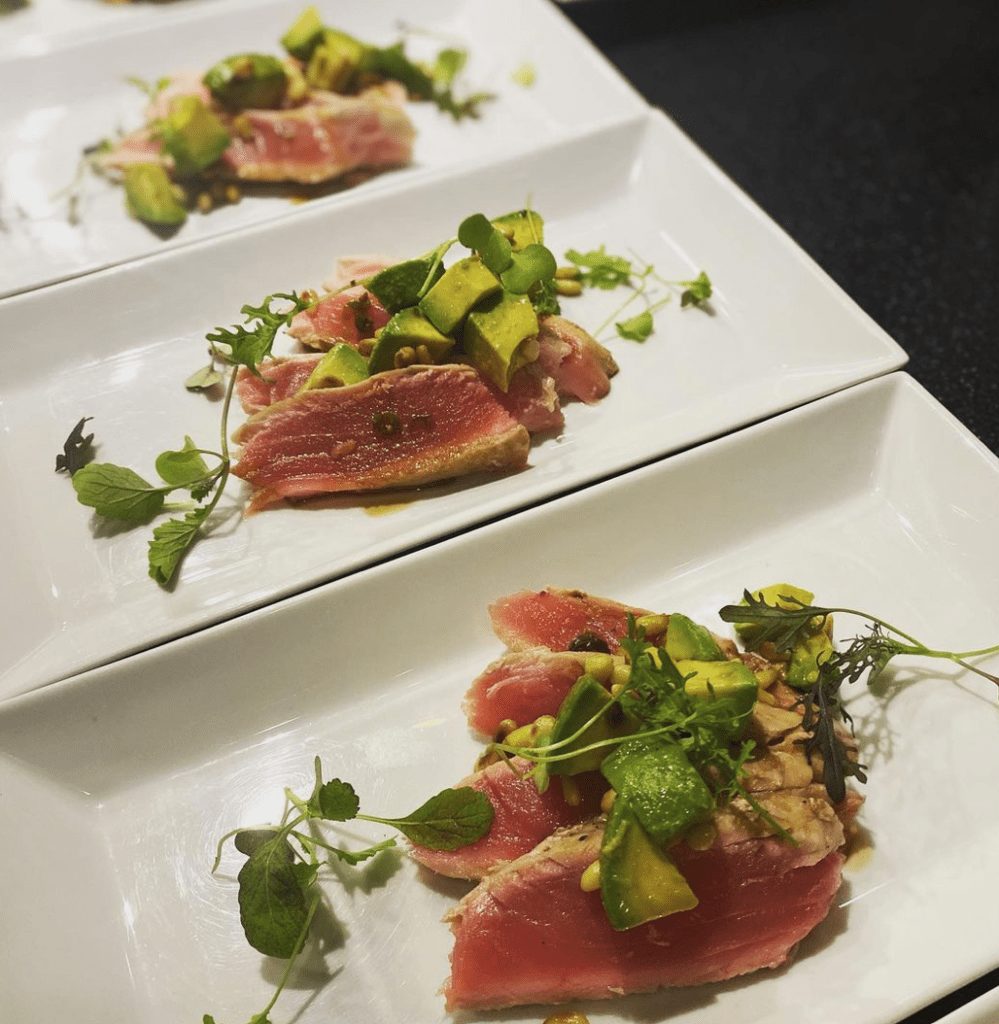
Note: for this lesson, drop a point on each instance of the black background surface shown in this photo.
(869, 130)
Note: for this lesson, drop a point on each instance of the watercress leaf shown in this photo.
(248, 839)
(533, 264)
(170, 542)
(636, 328)
(117, 492)
(335, 801)
(601, 269)
(306, 874)
(449, 820)
(272, 905)
(392, 62)
(448, 65)
(696, 291)
(77, 449)
(203, 379)
(182, 468)
(355, 857)
(448, 103)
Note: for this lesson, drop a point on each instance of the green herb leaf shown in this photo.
(204, 379)
(248, 839)
(544, 299)
(77, 450)
(697, 291)
(272, 905)
(251, 342)
(600, 269)
(529, 267)
(447, 821)
(784, 627)
(182, 468)
(116, 492)
(151, 89)
(171, 541)
(477, 233)
(335, 801)
(636, 328)
(306, 874)
(355, 857)
(449, 65)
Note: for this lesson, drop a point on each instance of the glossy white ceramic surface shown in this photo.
(118, 345)
(55, 103)
(115, 785)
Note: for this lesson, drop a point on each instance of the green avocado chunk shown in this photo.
(340, 367)
(334, 60)
(722, 680)
(193, 135)
(305, 35)
(150, 195)
(660, 785)
(803, 670)
(522, 227)
(408, 328)
(686, 639)
(248, 80)
(772, 595)
(464, 285)
(398, 287)
(638, 881)
(582, 702)
(495, 336)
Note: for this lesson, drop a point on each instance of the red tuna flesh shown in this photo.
(279, 379)
(523, 817)
(529, 934)
(532, 399)
(402, 428)
(580, 366)
(522, 686)
(320, 140)
(552, 618)
(348, 316)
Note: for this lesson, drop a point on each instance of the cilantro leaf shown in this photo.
(203, 379)
(447, 821)
(171, 541)
(335, 801)
(601, 269)
(272, 904)
(355, 857)
(182, 468)
(77, 450)
(251, 342)
(697, 291)
(116, 492)
(636, 328)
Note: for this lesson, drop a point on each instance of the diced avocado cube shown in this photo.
(722, 680)
(522, 227)
(581, 703)
(661, 786)
(638, 881)
(193, 135)
(334, 61)
(495, 336)
(803, 670)
(398, 287)
(340, 367)
(407, 329)
(248, 80)
(305, 35)
(463, 286)
(686, 639)
(151, 196)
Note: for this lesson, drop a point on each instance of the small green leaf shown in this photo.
(272, 905)
(248, 839)
(203, 379)
(182, 468)
(170, 542)
(336, 801)
(448, 65)
(251, 341)
(449, 820)
(476, 232)
(306, 874)
(116, 492)
(77, 450)
(637, 328)
(532, 265)
(600, 269)
(696, 291)
(355, 857)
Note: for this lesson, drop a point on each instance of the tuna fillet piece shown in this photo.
(533, 399)
(351, 269)
(552, 618)
(402, 428)
(529, 934)
(580, 366)
(280, 378)
(521, 685)
(523, 817)
(321, 140)
(347, 316)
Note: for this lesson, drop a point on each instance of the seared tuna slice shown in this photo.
(581, 366)
(402, 428)
(529, 934)
(320, 140)
(348, 316)
(351, 269)
(280, 378)
(532, 399)
(553, 618)
(521, 686)
(523, 817)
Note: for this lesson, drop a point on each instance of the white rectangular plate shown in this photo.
(55, 104)
(117, 346)
(875, 497)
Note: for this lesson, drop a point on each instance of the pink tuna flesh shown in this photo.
(580, 366)
(279, 379)
(532, 399)
(348, 316)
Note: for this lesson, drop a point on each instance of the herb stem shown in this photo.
(640, 290)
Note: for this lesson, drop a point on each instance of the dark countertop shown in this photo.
(869, 130)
